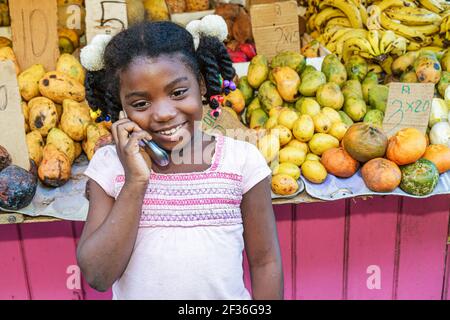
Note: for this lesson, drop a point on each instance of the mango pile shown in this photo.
(59, 124)
(304, 115)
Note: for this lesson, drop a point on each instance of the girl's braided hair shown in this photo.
(151, 39)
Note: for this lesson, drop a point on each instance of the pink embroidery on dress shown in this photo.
(191, 216)
(189, 202)
(189, 176)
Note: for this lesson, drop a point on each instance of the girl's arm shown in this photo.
(261, 243)
(110, 232)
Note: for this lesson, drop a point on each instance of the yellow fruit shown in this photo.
(322, 123)
(29, 81)
(271, 123)
(303, 128)
(269, 146)
(6, 53)
(332, 114)
(321, 142)
(43, 116)
(235, 100)
(156, 10)
(275, 112)
(287, 118)
(197, 5)
(284, 134)
(75, 119)
(308, 106)
(338, 130)
(287, 81)
(298, 144)
(284, 184)
(62, 142)
(293, 155)
(70, 66)
(71, 35)
(312, 157)
(291, 169)
(314, 171)
(35, 144)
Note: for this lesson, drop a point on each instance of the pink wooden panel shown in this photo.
(90, 293)
(49, 250)
(284, 217)
(13, 278)
(446, 294)
(371, 247)
(424, 229)
(319, 249)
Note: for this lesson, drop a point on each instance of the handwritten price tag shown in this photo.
(408, 106)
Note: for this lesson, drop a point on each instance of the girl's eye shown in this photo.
(141, 105)
(179, 93)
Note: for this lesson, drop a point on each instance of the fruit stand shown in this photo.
(361, 196)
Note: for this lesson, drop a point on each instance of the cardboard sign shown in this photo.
(12, 135)
(275, 27)
(34, 32)
(408, 106)
(105, 17)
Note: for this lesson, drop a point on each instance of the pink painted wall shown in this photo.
(329, 250)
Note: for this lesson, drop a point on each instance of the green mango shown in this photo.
(374, 117)
(258, 118)
(409, 76)
(345, 118)
(355, 108)
(334, 70)
(291, 59)
(369, 81)
(255, 104)
(357, 68)
(311, 81)
(246, 89)
(352, 88)
(378, 96)
(307, 70)
(443, 83)
(269, 96)
(258, 71)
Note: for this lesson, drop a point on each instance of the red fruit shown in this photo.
(248, 49)
(237, 56)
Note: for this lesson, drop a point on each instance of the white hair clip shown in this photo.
(211, 25)
(91, 56)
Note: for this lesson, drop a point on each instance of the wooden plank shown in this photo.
(49, 251)
(423, 245)
(319, 250)
(371, 248)
(88, 292)
(13, 277)
(446, 293)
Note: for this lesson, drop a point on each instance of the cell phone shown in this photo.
(158, 154)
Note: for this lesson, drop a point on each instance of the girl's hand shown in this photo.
(127, 135)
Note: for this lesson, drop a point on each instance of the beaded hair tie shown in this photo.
(216, 101)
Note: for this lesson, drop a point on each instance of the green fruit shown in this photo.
(378, 96)
(258, 118)
(352, 88)
(345, 118)
(334, 70)
(409, 77)
(330, 95)
(308, 106)
(258, 71)
(269, 96)
(369, 81)
(357, 68)
(355, 108)
(311, 81)
(287, 82)
(255, 104)
(443, 83)
(419, 178)
(246, 89)
(374, 117)
(291, 59)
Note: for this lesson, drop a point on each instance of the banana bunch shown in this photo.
(375, 46)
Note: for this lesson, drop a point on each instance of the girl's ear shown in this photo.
(202, 85)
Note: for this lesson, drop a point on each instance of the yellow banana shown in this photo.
(339, 22)
(356, 33)
(336, 35)
(374, 39)
(325, 15)
(427, 30)
(374, 68)
(347, 7)
(413, 46)
(386, 65)
(405, 31)
(387, 38)
(373, 19)
(413, 16)
(399, 46)
(438, 41)
(432, 5)
(362, 44)
(383, 5)
(310, 23)
(330, 32)
(363, 13)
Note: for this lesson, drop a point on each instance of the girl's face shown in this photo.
(163, 96)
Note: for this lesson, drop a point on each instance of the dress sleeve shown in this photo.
(255, 168)
(103, 169)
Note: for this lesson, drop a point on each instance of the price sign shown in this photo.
(408, 106)
(275, 27)
(105, 17)
(12, 135)
(34, 32)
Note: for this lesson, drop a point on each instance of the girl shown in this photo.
(174, 232)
